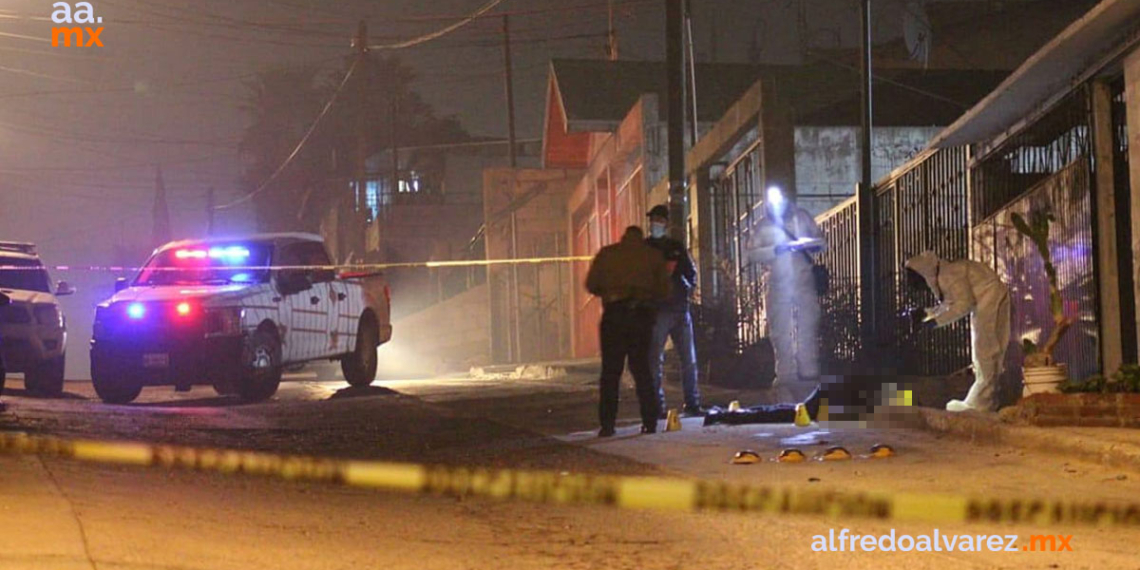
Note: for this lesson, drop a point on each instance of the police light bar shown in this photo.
(232, 252)
(224, 253)
(190, 254)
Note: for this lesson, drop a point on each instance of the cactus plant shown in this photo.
(1036, 229)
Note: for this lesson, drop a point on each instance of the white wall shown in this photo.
(828, 160)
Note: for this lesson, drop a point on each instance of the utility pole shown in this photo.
(692, 60)
(866, 198)
(515, 319)
(510, 90)
(675, 110)
(360, 199)
(210, 211)
(394, 121)
(611, 37)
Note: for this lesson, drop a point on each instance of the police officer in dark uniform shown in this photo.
(631, 279)
(673, 316)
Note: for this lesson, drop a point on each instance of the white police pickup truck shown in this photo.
(33, 330)
(233, 313)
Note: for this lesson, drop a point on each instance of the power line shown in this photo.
(296, 150)
(148, 164)
(438, 33)
(22, 37)
(160, 87)
(30, 73)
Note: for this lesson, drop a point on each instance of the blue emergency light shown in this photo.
(136, 310)
(232, 253)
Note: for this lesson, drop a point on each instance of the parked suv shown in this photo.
(234, 313)
(33, 330)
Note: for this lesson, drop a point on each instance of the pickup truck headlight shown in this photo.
(48, 315)
(224, 322)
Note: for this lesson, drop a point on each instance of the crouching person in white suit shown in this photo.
(968, 288)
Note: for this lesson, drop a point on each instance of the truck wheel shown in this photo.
(262, 371)
(359, 367)
(111, 385)
(46, 378)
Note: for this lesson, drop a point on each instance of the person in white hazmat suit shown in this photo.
(963, 288)
(783, 241)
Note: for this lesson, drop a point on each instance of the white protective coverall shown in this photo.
(792, 302)
(970, 288)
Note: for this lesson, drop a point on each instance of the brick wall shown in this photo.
(1083, 410)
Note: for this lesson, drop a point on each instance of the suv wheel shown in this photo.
(261, 373)
(112, 385)
(360, 365)
(46, 378)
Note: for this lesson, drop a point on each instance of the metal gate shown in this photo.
(737, 286)
(923, 207)
(1046, 166)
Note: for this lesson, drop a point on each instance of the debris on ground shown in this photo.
(527, 372)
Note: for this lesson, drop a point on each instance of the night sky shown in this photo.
(81, 129)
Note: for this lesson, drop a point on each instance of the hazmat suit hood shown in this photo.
(927, 265)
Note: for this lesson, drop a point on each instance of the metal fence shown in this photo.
(839, 337)
(922, 207)
(1046, 167)
(737, 290)
(938, 202)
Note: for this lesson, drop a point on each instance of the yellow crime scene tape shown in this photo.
(361, 267)
(623, 492)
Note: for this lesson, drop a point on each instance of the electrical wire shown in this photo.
(438, 33)
(170, 86)
(23, 37)
(300, 144)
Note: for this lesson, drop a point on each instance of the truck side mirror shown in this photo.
(121, 283)
(64, 289)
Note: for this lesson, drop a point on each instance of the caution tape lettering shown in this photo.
(543, 487)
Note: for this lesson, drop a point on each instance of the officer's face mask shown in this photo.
(657, 229)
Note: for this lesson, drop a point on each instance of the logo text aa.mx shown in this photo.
(81, 13)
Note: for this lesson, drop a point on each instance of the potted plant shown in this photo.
(1042, 373)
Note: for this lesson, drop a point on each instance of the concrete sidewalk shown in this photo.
(1112, 447)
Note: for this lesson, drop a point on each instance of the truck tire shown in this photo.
(261, 375)
(46, 378)
(360, 365)
(111, 385)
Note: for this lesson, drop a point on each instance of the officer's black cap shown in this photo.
(661, 211)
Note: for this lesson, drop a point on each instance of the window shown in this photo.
(307, 253)
(30, 275)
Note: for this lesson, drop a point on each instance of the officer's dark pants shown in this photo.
(626, 332)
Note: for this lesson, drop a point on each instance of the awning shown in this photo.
(1053, 70)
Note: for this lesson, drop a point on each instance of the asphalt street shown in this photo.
(61, 514)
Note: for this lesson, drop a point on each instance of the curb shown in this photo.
(989, 429)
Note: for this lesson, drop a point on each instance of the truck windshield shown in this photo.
(23, 274)
(208, 264)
